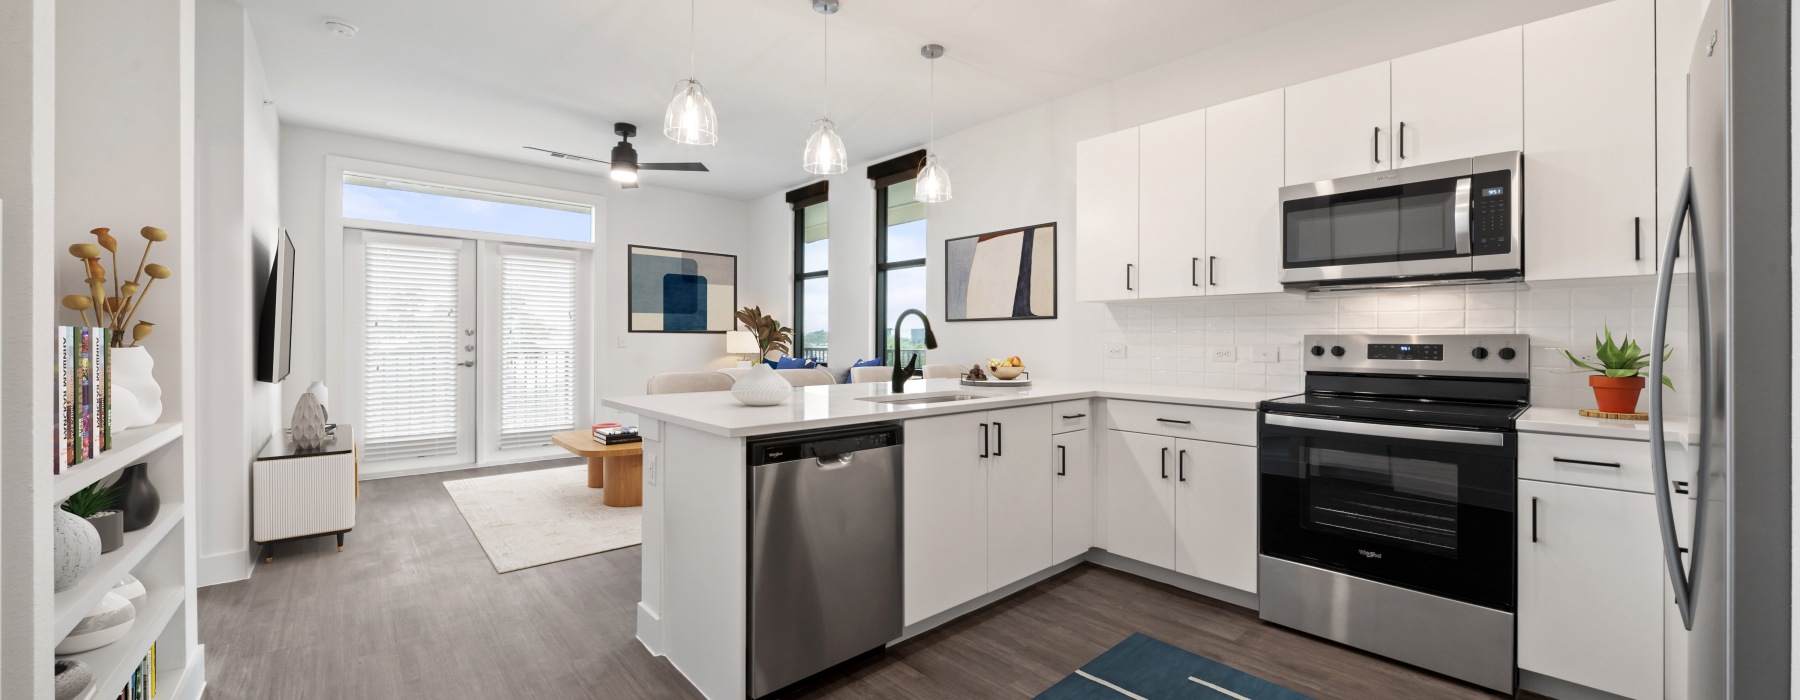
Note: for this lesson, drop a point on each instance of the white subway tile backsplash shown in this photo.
(1441, 320)
(1397, 320)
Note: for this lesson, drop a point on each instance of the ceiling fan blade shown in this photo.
(690, 167)
(568, 156)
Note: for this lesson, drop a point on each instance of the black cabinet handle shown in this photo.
(1614, 465)
(1172, 420)
(1181, 465)
(1127, 277)
(984, 441)
(1637, 238)
(1073, 417)
(1534, 518)
(1375, 144)
(1194, 272)
(1401, 134)
(1165, 463)
(1212, 275)
(999, 440)
(1063, 470)
(1681, 487)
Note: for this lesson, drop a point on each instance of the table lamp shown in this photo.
(741, 343)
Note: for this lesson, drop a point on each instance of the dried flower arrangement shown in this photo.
(117, 310)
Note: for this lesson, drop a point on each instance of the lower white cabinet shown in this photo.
(1590, 587)
(1140, 497)
(1073, 490)
(1181, 504)
(1019, 487)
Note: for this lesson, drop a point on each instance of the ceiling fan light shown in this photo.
(690, 119)
(933, 184)
(825, 150)
(624, 172)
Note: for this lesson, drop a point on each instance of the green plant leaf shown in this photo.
(95, 498)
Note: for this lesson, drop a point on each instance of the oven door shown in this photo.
(1425, 508)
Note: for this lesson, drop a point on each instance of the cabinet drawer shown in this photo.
(1585, 461)
(1192, 422)
(1067, 416)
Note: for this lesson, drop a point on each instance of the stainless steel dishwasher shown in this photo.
(825, 577)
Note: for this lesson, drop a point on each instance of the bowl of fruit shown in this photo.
(1008, 368)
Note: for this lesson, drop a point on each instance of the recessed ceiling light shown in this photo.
(340, 27)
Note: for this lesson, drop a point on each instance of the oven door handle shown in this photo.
(1462, 216)
(1406, 432)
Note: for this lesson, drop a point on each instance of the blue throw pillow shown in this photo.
(795, 363)
(862, 363)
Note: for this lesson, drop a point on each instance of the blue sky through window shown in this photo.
(471, 211)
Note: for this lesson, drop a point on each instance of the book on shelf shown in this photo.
(617, 435)
(83, 395)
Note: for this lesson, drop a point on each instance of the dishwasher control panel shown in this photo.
(788, 448)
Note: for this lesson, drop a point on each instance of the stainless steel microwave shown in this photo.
(1443, 223)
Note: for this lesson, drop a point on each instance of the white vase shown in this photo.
(761, 386)
(136, 397)
(323, 394)
(76, 545)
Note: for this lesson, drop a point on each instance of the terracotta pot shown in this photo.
(1616, 394)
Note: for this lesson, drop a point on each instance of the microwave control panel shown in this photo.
(1490, 213)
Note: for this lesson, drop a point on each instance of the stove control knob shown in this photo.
(1317, 351)
(1508, 353)
(1337, 351)
(1479, 353)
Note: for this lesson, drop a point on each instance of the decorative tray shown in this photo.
(1024, 379)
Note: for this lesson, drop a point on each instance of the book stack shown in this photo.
(83, 392)
(617, 435)
(142, 685)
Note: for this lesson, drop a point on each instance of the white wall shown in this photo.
(237, 216)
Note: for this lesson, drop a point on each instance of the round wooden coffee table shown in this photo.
(617, 468)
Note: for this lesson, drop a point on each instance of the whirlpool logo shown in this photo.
(1369, 554)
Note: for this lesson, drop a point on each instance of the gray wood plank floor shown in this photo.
(413, 609)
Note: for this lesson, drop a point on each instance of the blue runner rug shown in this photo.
(1144, 668)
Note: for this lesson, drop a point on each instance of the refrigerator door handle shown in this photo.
(1679, 575)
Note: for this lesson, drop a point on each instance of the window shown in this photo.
(396, 201)
(900, 241)
(812, 270)
(537, 345)
(415, 305)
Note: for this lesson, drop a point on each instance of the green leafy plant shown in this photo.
(1618, 359)
(94, 499)
(770, 334)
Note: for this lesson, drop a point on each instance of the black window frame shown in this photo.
(885, 174)
(798, 200)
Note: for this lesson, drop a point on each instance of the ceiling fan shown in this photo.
(624, 163)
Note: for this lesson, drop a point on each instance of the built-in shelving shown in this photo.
(114, 663)
(75, 602)
(129, 446)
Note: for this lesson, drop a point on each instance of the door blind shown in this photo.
(410, 406)
(537, 348)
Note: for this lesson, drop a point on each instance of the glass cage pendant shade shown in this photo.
(690, 119)
(825, 150)
(933, 184)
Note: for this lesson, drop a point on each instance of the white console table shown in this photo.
(296, 494)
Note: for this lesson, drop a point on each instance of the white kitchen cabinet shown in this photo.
(1590, 587)
(1338, 126)
(1106, 217)
(1140, 503)
(1244, 163)
(1172, 206)
(1073, 487)
(945, 513)
(1020, 527)
(1458, 101)
(1590, 142)
(1215, 512)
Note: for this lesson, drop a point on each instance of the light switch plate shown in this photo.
(1115, 351)
(622, 340)
(650, 469)
(1265, 353)
(1222, 353)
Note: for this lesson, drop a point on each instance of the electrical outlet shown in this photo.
(1222, 353)
(1115, 351)
(1265, 353)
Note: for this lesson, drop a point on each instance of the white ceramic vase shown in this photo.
(323, 394)
(136, 397)
(761, 386)
(76, 546)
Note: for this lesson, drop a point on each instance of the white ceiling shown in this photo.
(489, 78)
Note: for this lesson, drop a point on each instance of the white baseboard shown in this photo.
(649, 629)
(193, 682)
(1561, 689)
(992, 597)
(369, 474)
(1184, 582)
(225, 567)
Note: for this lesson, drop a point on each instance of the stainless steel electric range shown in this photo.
(1386, 499)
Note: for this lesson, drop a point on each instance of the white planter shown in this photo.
(136, 397)
(76, 546)
(761, 386)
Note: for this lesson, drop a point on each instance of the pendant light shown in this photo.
(933, 183)
(824, 149)
(690, 119)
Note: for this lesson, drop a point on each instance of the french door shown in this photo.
(462, 351)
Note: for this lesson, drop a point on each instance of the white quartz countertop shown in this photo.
(811, 407)
(1566, 421)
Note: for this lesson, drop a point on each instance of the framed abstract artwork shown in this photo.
(680, 291)
(1002, 276)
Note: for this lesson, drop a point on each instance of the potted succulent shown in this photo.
(1619, 369)
(99, 503)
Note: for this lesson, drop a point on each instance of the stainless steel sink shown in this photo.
(908, 400)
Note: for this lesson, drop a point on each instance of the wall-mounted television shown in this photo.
(275, 323)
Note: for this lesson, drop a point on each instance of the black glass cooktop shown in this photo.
(1493, 416)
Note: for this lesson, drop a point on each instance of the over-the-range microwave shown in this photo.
(1444, 223)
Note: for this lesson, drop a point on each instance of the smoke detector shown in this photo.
(340, 27)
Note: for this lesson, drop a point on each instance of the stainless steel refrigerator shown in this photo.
(1733, 586)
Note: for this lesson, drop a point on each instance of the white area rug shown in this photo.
(533, 518)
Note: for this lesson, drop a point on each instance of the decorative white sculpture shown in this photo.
(308, 425)
(136, 397)
(761, 386)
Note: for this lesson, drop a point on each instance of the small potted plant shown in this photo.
(1619, 369)
(99, 504)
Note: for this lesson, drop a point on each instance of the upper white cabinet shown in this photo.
(1590, 142)
(1215, 512)
(1172, 201)
(1458, 101)
(1074, 494)
(1106, 217)
(1338, 126)
(1243, 216)
(1020, 480)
